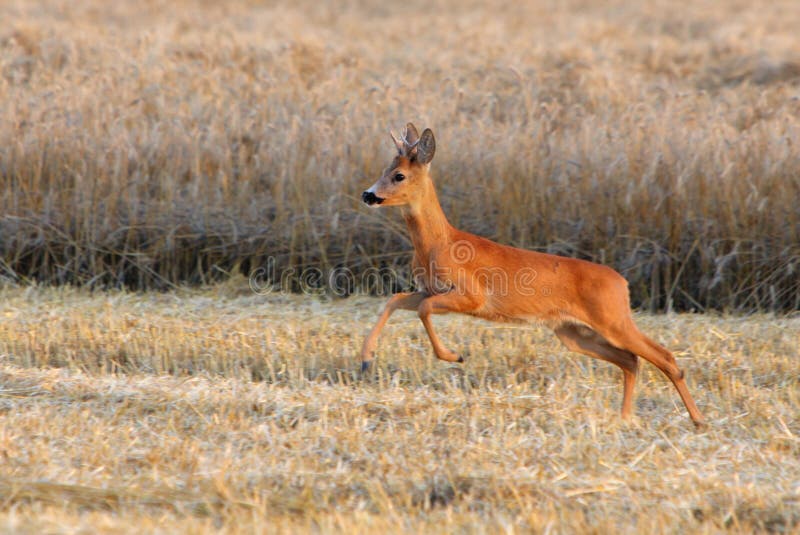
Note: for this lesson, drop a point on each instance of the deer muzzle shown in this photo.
(370, 198)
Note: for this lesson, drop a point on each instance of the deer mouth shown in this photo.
(371, 199)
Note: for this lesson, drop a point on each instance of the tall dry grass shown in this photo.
(220, 411)
(146, 144)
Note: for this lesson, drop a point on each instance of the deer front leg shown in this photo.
(405, 301)
(442, 304)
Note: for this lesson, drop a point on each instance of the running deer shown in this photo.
(586, 304)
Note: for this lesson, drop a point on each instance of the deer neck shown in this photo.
(427, 224)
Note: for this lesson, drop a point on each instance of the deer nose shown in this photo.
(370, 198)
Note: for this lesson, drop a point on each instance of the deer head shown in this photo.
(403, 180)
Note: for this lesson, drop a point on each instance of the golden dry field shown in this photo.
(154, 155)
(152, 143)
(200, 410)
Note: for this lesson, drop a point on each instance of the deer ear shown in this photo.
(411, 134)
(426, 147)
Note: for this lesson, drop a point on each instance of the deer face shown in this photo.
(401, 181)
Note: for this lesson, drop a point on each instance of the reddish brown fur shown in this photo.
(586, 304)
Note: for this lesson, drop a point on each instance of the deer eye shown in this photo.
(399, 177)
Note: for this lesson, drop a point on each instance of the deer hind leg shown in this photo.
(582, 339)
(631, 339)
(405, 301)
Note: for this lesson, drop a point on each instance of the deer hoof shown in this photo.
(365, 365)
(460, 359)
(701, 425)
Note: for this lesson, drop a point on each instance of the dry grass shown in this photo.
(148, 143)
(194, 411)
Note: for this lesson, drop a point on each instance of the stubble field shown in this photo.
(197, 410)
(161, 145)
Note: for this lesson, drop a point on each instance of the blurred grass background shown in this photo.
(153, 144)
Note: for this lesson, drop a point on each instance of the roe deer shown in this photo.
(586, 304)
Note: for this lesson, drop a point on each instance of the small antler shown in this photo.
(408, 140)
(409, 146)
(398, 143)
